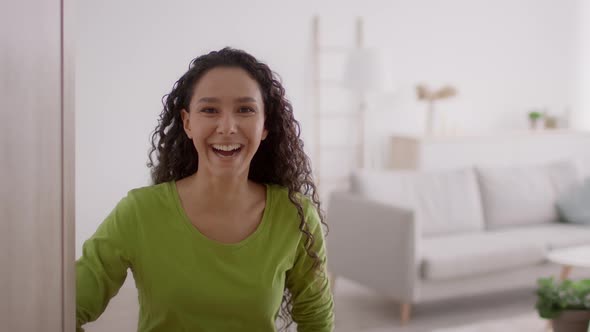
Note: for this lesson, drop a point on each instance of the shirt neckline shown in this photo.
(194, 230)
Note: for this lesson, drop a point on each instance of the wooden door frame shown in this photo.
(68, 51)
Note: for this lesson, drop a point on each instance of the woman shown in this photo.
(229, 237)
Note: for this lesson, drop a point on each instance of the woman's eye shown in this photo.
(246, 110)
(208, 110)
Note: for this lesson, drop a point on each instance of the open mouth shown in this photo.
(227, 151)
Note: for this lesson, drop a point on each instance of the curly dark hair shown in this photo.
(280, 158)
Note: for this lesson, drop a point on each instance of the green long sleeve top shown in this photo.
(188, 282)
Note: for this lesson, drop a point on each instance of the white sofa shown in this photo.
(425, 236)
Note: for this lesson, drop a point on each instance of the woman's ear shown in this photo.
(264, 134)
(186, 122)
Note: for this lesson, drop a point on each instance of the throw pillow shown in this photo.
(574, 204)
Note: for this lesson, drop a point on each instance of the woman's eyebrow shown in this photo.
(208, 100)
(245, 100)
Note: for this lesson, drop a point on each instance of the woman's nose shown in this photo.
(227, 124)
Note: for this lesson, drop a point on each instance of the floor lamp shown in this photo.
(364, 73)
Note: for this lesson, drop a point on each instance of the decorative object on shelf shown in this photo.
(550, 121)
(535, 119)
(566, 302)
(558, 119)
(431, 96)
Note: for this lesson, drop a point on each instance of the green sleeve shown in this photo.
(102, 269)
(313, 304)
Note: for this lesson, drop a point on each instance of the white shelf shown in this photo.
(493, 135)
(491, 149)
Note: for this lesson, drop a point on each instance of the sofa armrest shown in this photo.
(372, 243)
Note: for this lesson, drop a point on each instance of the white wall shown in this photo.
(504, 57)
(583, 64)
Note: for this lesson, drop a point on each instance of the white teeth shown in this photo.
(230, 147)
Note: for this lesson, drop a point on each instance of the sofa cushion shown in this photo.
(554, 236)
(523, 195)
(563, 175)
(444, 202)
(472, 254)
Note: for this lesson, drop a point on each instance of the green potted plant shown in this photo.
(534, 117)
(567, 303)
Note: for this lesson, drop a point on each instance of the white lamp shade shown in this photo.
(365, 71)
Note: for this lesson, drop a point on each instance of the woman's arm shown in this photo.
(102, 269)
(313, 304)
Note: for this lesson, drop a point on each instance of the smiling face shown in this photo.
(225, 121)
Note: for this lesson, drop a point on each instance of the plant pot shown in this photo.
(535, 124)
(572, 321)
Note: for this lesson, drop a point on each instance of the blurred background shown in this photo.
(505, 59)
(377, 86)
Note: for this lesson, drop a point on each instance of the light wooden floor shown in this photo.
(359, 309)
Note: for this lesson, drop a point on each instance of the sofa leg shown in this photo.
(565, 272)
(405, 312)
